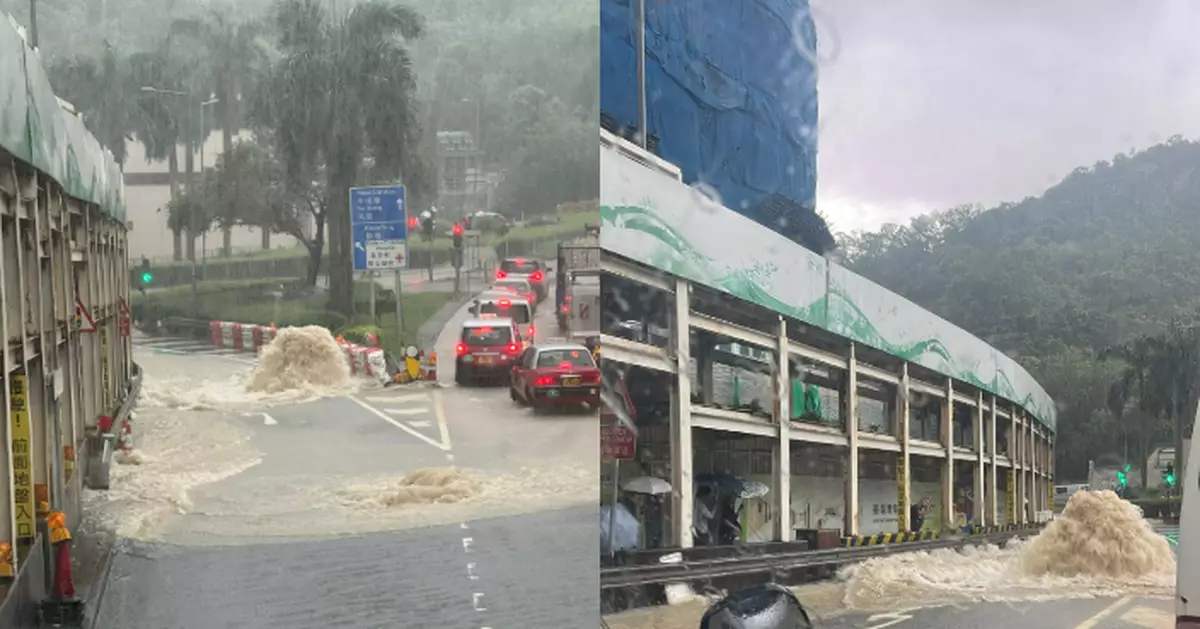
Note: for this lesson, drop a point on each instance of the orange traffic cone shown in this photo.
(431, 372)
(60, 537)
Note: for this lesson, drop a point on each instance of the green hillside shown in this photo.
(1107, 256)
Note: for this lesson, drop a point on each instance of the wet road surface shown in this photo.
(275, 515)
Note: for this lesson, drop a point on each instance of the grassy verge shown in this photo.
(283, 302)
(568, 224)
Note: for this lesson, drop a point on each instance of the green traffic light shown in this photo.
(147, 278)
(1171, 480)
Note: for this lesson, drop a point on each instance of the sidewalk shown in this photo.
(91, 557)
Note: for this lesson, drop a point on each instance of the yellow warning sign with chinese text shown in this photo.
(22, 461)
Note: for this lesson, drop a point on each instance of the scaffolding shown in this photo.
(64, 310)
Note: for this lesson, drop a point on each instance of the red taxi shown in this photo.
(555, 375)
(487, 350)
(531, 270)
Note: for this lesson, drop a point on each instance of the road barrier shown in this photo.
(364, 361)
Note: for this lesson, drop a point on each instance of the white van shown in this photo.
(1187, 552)
(519, 310)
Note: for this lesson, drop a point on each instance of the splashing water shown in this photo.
(300, 365)
(1100, 546)
(432, 485)
(304, 358)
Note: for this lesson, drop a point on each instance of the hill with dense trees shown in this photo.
(1107, 259)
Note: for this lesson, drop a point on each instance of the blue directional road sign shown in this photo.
(378, 228)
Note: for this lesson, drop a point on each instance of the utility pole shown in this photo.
(643, 132)
(33, 29)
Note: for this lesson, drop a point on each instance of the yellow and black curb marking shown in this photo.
(1002, 528)
(888, 538)
(900, 538)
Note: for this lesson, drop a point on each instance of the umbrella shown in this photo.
(649, 485)
(754, 489)
(732, 484)
(722, 482)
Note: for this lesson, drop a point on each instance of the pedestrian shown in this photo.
(702, 516)
(916, 515)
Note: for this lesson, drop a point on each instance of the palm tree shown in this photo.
(343, 93)
(160, 130)
(102, 92)
(233, 55)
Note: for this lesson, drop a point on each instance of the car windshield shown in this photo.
(518, 312)
(573, 357)
(488, 336)
(517, 285)
(524, 267)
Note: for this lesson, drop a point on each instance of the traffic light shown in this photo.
(147, 276)
(457, 232)
(1169, 475)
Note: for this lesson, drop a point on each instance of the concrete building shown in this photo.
(851, 404)
(147, 192)
(463, 186)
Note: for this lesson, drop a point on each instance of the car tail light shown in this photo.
(513, 348)
(460, 349)
(501, 275)
(592, 377)
(566, 308)
(537, 276)
(532, 331)
(544, 381)
(504, 303)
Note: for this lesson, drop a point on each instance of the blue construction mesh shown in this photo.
(731, 94)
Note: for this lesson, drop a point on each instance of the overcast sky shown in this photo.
(927, 104)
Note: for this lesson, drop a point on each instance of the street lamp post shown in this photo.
(204, 236)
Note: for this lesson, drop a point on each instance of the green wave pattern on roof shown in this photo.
(655, 220)
(39, 132)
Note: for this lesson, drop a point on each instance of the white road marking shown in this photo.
(471, 571)
(399, 399)
(477, 601)
(420, 410)
(420, 423)
(467, 542)
(440, 413)
(267, 419)
(887, 620)
(380, 414)
(1090, 623)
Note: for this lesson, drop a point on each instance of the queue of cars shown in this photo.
(498, 344)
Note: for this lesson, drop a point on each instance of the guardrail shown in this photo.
(100, 448)
(620, 577)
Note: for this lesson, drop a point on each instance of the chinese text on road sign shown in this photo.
(378, 228)
(617, 442)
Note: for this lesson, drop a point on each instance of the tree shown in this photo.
(159, 130)
(233, 53)
(343, 93)
(249, 177)
(102, 91)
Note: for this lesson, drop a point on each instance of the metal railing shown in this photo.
(630, 576)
